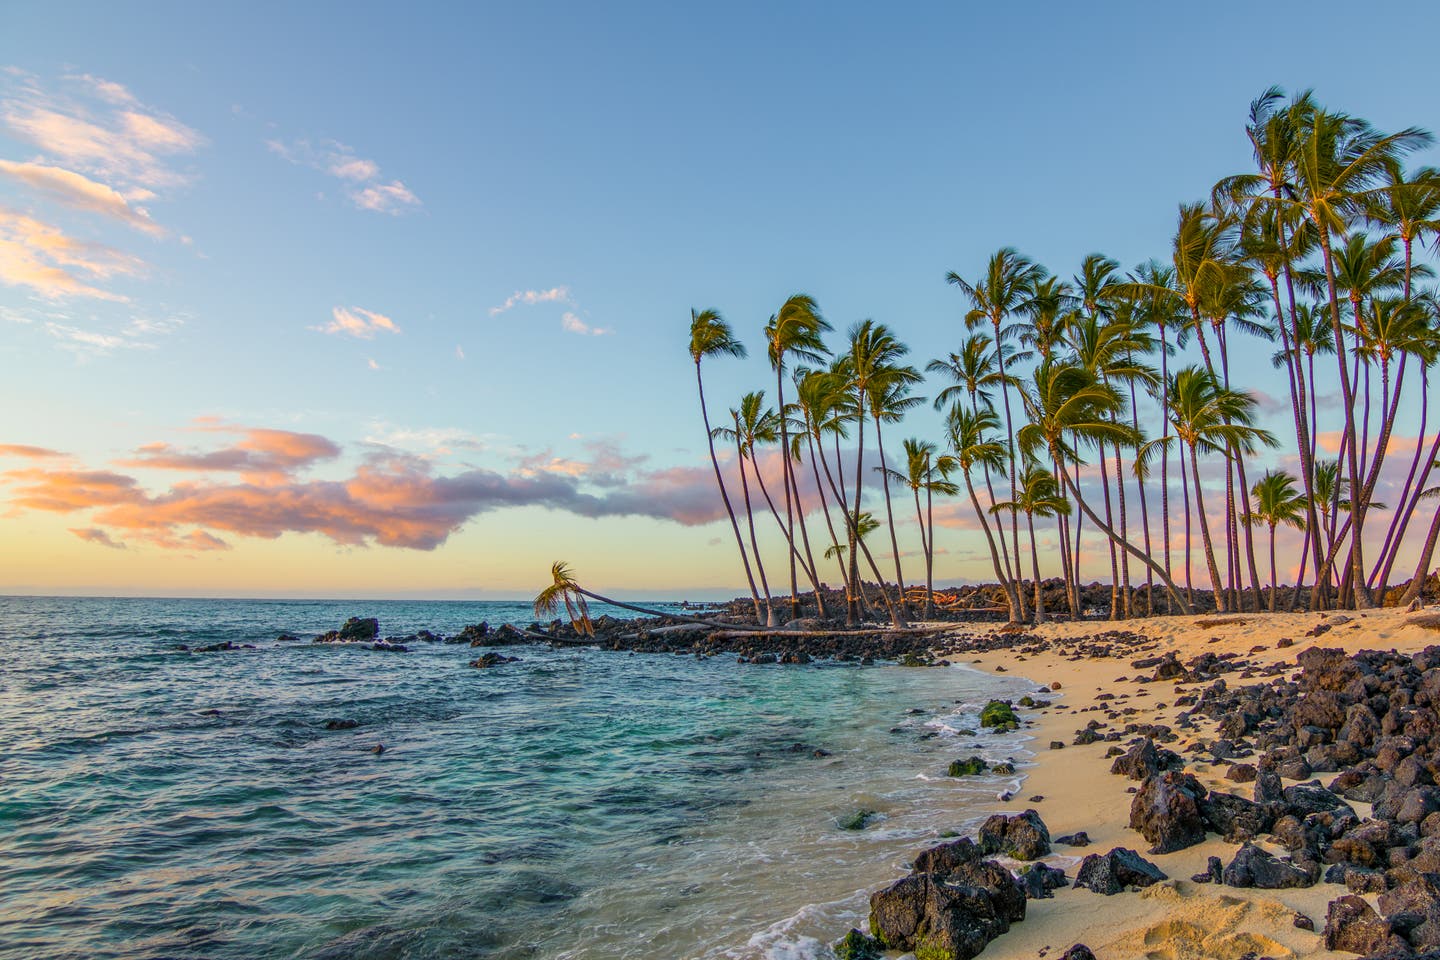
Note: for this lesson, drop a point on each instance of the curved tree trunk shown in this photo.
(1215, 582)
(1007, 585)
(725, 497)
(770, 618)
(890, 517)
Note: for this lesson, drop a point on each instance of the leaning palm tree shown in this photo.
(1069, 406)
(889, 399)
(1040, 496)
(795, 331)
(710, 336)
(923, 473)
(973, 446)
(564, 589)
(1277, 502)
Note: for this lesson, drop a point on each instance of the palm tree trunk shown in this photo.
(780, 522)
(812, 571)
(1215, 582)
(1005, 584)
(817, 452)
(853, 519)
(1274, 576)
(770, 618)
(1357, 506)
(1165, 452)
(1189, 536)
(1124, 535)
(1010, 453)
(925, 552)
(785, 470)
(890, 517)
(1422, 568)
(1126, 545)
(1114, 558)
(1035, 571)
(725, 497)
(930, 548)
(1011, 572)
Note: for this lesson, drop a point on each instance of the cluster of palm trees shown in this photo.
(1070, 401)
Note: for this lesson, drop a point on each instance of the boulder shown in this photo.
(857, 946)
(1166, 811)
(1023, 836)
(1112, 872)
(1253, 867)
(1039, 880)
(1353, 926)
(946, 858)
(1144, 760)
(936, 919)
(1235, 818)
(1078, 952)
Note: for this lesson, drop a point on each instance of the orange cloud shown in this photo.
(80, 192)
(359, 323)
(43, 258)
(263, 454)
(27, 451)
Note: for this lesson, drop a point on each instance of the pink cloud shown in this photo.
(28, 452)
(98, 536)
(262, 454)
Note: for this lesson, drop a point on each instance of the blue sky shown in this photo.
(423, 164)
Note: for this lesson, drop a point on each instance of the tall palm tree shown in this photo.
(1339, 171)
(710, 336)
(1004, 290)
(1277, 502)
(871, 365)
(1041, 496)
(889, 399)
(797, 330)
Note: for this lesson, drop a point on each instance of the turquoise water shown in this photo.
(577, 804)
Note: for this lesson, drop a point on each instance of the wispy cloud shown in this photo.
(357, 322)
(96, 535)
(532, 297)
(79, 191)
(44, 259)
(572, 323)
(365, 186)
(262, 455)
(28, 452)
(98, 127)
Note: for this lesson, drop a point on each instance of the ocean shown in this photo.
(577, 804)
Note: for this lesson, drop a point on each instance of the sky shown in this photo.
(376, 300)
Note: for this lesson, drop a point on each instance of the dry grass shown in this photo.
(1220, 622)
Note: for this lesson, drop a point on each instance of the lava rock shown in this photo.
(1023, 836)
(1166, 811)
(1112, 872)
(1352, 925)
(1253, 867)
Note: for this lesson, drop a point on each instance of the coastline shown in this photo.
(1179, 918)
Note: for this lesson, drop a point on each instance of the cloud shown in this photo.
(29, 452)
(100, 128)
(357, 322)
(54, 265)
(459, 352)
(573, 324)
(532, 297)
(96, 535)
(392, 197)
(80, 192)
(390, 499)
(365, 188)
(137, 334)
(263, 454)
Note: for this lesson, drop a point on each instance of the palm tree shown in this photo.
(1339, 169)
(796, 330)
(564, 589)
(1039, 495)
(871, 365)
(710, 336)
(752, 425)
(1276, 503)
(1004, 291)
(969, 435)
(1211, 419)
(923, 473)
(889, 399)
(1064, 399)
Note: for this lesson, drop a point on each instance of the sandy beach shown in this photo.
(1177, 919)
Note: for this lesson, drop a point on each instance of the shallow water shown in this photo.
(579, 804)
